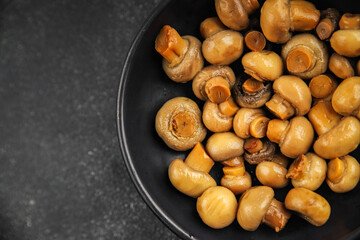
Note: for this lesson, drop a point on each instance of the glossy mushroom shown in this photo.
(214, 119)
(252, 93)
(322, 87)
(263, 66)
(340, 66)
(271, 174)
(349, 21)
(346, 97)
(221, 46)
(292, 97)
(346, 42)
(323, 117)
(223, 146)
(294, 137)
(258, 150)
(257, 205)
(235, 13)
(182, 57)
(250, 122)
(309, 205)
(308, 171)
(178, 123)
(328, 23)
(214, 83)
(343, 174)
(305, 56)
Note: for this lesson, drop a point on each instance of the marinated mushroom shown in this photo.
(278, 17)
(255, 40)
(292, 97)
(340, 66)
(343, 174)
(305, 56)
(349, 21)
(346, 97)
(328, 23)
(250, 122)
(223, 146)
(235, 177)
(346, 42)
(323, 117)
(214, 83)
(322, 87)
(308, 171)
(235, 13)
(294, 137)
(271, 174)
(309, 205)
(178, 123)
(258, 150)
(263, 66)
(217, 207)
(214, 119)
(280, 159)
(221, 46)
(252, 93)
(182, 57)
(257, 205)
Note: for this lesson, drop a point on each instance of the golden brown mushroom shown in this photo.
(214, 83)
(292, 97)
(250, 122)
(271, 174)
(349, 21)
(305, 56)
(178, 123)
(323, 117)
(328, 23)
(322, 87)
(346, 98)
(340, 66)
(223, 146)
(214, 119)
(235, 13)
(257, 150)
(182, 55)
(346, 42)
(257, 205)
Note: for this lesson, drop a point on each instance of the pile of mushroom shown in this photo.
(289, 114)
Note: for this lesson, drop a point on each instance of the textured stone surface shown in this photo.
(60, 65)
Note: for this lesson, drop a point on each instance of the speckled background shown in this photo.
(60, 177)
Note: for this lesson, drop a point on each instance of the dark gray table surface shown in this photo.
(61, 173)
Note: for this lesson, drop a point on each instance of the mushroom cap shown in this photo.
(223, 47)
(313, 44)
(243, 119)
(214, 120)
(346, 42)
(295, 91)
(298, 138)
(186, 112)
(237, 184)
(223, 146)
(198, 83)
(251, 100)
(340, 140)
(271, 174)
(275, 20)
(253, 205)
(191, 63)
(264, 65)
(188, 180)
(346, 97)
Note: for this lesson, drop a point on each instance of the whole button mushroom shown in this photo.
(217, 207)
(308, 171)
(323, 117)
(346, 42)
(223, 146)
(340, 66)
(214, 120)
(263, 66)
(214, 83)
(235, 13)
(278, 17)
(343, 174)
(349, 21)
(271, 174)
(221, 46)
(292, 97)
(346, 98)
(322, 87)
(182, 55)
(309, 205)
(257, 150)
(294, 137)
(257, 205)
(252, 93)
(305, 56)
(235, 177)
(178, 123)
(250, 122)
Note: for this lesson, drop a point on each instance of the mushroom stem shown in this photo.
(304, 15)
(199, 160)
(280, 107)
(255, 40)
(276, 129)
(349, 21)
(236, 171)
(228, 107)
(211, 26)
(253, 145)
(277, 215)
(258, 126)
(300, 59)
(170, 44)
(182, 125)
(233, 162)
(217, 89)
(323, 117)
(322, 86)
(251, 85)
(328, 23)
(336, 168)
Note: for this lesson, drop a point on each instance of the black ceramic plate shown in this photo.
(144, 87)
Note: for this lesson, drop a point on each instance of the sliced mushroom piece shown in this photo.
(178, 123)
(253, 155)
(252, 93)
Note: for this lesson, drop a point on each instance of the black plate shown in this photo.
(144, 87)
